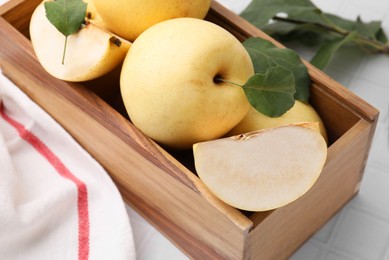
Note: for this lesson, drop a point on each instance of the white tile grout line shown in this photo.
(378, 167)
(346, 212)
(386, 253)
(345, 256)
(325, 249)
(386, 122)
(337, 223)
(329, 244)
(369, 212)
(377, 164)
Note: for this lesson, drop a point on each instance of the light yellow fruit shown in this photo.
(168, 86)
(93, 16)
(300, 112)
(90, 53)
(129, 18)
(262, 170)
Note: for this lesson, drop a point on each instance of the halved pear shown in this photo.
(262, 170)
(90, 53)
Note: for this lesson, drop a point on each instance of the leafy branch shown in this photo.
(381, 47)
(308, 24)
(297, 21)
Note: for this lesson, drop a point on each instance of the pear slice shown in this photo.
(262, 170)
(90, 53)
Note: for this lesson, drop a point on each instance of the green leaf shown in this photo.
(66, 15)
(381, 36)
(327, 50)
(301, 20)
(308, 34)
(339, 22)
(259, 12)
(371, 30)
(265, 55)
(271, 93)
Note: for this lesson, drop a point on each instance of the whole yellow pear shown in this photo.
(300, 112)
(129, 18)
(168, 82)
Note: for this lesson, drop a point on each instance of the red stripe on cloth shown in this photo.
(82, 192)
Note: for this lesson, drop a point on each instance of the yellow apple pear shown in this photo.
(170, 87)
(90, 53)
(93, 16)
(129, 18)
(300, 112)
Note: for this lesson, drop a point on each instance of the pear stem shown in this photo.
(219, 79)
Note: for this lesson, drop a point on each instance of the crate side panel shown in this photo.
(338, 118)
(18, 14)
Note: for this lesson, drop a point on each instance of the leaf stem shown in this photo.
(378, 46)
(331, 24)
(296, 21)
(64, 50)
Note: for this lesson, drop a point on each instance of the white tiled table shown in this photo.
(361, 229)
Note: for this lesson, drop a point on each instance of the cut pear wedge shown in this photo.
(262, 170)
(90, 53)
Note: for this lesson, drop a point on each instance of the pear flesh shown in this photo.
(262, 170)
(90, 53)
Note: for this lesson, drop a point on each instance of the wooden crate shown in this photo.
(162, 186)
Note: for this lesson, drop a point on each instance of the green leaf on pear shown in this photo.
(265, 55)
(67, 16)
(272, 92)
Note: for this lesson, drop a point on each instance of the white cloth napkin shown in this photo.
(56, 201)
